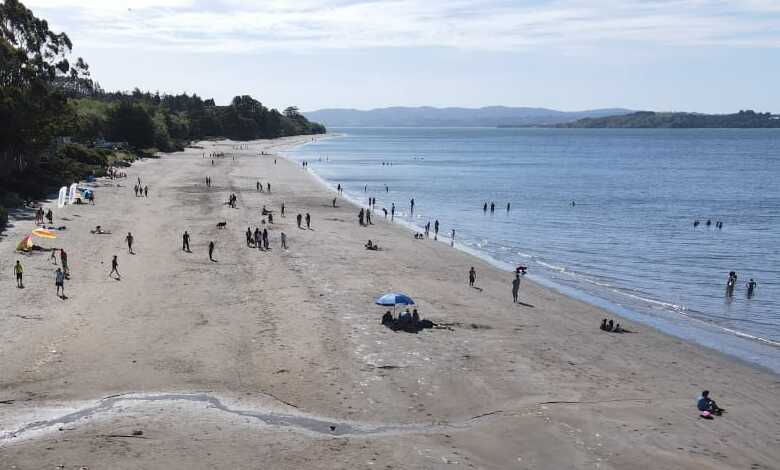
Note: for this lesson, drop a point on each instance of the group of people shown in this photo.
(364, 217)
(299, 218)
(407, 321)
(208, 181)
(141, 191)
(731, 284)
(612, 327)
(493, 207)
(232, 201)
(258, 239)
(259, 186)
(39, 215)
(708, 223)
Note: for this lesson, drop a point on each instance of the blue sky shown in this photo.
(676, 55)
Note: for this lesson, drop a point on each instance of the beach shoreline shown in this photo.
(744, 347)
(535, 385)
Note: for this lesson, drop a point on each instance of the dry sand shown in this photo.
(278, 360)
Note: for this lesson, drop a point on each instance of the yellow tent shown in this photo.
(26, 244)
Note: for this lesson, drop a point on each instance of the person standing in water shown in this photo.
(751, 288)
(411, 206)
(492, 207)
(452, 238)
(507, 206)
(484, 207)
(515, 287)
(392, 212)
(472, 276)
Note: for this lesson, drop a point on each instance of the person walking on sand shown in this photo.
(258, 186)
(411, 206)
(436, 230)
(50, 216)
(472, 276)
(185, 242)
(129, 240)
(282, 209)
(114, 268)
(266, 245)
(268, 186)
(64, 262)
(19, 271)
(428, 229)
(452, 238)
(392, 212)
(59, 282)
(334, 202)
(283, 237)
(515, 287)
(211, 250)
(368, 217)
(146, 191)
(308, 221)
(360, 217)
(299, 219)
(248, 236)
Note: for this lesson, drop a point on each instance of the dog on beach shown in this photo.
(222, 224)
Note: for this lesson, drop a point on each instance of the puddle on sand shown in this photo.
(304, 423)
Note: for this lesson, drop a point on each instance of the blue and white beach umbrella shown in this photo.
(394, 298)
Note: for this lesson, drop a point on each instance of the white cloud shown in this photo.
(233, 25)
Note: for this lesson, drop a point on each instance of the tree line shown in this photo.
(46, 95)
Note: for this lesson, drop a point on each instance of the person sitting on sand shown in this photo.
(610, 325)
(603, 326)
(707, 405)
(387, 318)
(371, 246)
(415, 316)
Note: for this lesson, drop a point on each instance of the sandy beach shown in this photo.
(278, 359)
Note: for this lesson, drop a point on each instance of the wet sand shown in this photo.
(278, 360)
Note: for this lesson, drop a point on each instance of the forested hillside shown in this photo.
(52, 113)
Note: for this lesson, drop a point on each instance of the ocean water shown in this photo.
(627, 244)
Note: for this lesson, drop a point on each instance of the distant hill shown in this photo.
(649, 119)
(491, 116)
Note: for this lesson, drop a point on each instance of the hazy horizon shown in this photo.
(703, 56)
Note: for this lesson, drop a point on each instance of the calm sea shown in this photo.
(628, 243)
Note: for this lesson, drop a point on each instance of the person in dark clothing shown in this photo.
(436, 229)
(472, 276)
(705, 403)
(114, 268)
(515, 287)
(185, 242)
(299, 218)
(308, 221)
(211, 250)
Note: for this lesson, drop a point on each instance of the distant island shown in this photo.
(426, 116)
(651, 120)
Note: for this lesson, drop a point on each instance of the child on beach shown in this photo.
(19, 271)
(59, 282)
